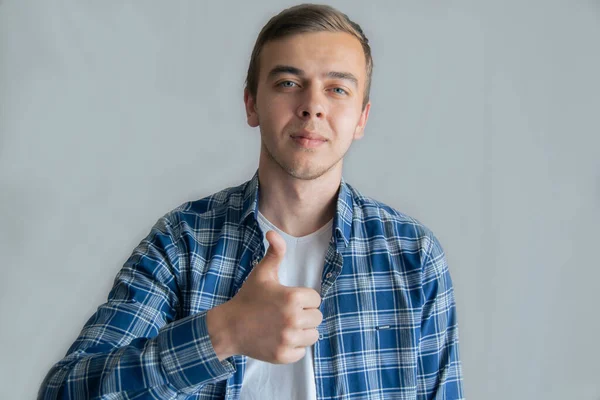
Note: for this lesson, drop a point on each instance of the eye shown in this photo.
(286, 84)
(339, 90)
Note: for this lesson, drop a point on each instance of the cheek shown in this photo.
(275, 109)
(345, 120)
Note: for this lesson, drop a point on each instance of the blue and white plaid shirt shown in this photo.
(389, 327)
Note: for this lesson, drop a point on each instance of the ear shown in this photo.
(250, 103)
(359, 132)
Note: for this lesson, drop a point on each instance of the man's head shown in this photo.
(309, 76)
(307, 18)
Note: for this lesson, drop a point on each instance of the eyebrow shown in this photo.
(288, 69)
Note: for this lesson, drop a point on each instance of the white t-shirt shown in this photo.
(302, 265)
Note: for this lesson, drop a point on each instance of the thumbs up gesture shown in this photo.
(273, 322)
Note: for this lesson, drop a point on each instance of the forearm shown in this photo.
(180, 358)
(439, 372)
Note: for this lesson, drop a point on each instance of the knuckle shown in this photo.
(317, 296)
(289, 320)
(287, 337)
(315, 337)
(302, 354)
(320, 317)
(280, 354)
(292, 297)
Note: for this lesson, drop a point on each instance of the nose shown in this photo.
(312, 105)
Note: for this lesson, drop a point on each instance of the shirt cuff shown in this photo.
(188, 356)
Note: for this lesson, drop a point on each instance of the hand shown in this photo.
(273, 322)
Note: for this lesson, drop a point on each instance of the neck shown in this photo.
(296, 206)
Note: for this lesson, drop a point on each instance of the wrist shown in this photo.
(220, 330)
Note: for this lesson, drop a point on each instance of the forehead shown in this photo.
(316, 53)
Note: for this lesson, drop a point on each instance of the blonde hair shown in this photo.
(305, 18)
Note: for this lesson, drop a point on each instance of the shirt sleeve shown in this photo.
(439, 370)
(134, 342)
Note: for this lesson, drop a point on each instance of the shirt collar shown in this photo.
(342, 221)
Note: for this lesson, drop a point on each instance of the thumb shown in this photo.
(274, 254)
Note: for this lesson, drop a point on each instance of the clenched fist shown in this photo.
(266, 320)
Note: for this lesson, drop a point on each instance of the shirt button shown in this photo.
(320, 336)
(328, 275)
(254, 262)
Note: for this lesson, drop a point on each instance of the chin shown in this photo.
(307, 173)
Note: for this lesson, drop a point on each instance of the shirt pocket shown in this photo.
(379, 358)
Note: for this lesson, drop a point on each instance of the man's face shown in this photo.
(310, 85)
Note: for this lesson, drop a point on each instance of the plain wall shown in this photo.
(484, 125)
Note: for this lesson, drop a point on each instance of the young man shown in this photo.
(292, 285)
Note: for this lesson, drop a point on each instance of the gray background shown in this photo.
(484, 126)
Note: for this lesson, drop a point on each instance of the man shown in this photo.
(292, 285)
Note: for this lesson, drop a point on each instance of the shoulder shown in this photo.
(219, 207)
(403, 233)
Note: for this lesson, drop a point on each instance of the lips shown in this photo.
(309, 136)
(305, 142)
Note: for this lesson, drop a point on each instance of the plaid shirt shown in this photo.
(389, 327)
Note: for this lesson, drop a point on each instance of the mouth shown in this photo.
(308, 140)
